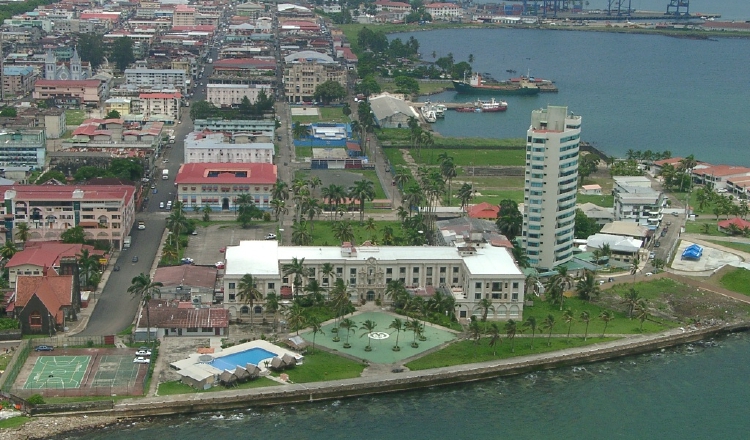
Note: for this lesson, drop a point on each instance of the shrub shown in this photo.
(36, 399)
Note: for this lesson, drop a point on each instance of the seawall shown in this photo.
(297, 393)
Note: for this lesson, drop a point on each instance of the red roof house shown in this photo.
(483, 210)
(726, 225)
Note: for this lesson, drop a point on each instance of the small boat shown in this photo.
(430, 116)
(440, 110)
(510, 70)
(429, 112)
(490, 106)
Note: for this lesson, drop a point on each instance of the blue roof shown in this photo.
(693, 252)
(17, 70)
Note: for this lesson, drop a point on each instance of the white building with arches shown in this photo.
(468, 273)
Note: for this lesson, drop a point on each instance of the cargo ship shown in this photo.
(485, 84)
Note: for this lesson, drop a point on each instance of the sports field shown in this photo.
(116, 371)
(57, 372)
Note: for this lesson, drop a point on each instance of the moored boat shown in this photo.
(491, 106)
(484, 84)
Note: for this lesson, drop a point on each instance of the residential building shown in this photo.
(23, 147)
(468, 273)
(17, 81)
(550, 186)
(483, 210)
(256, 127)
(600, 214)
(443, 11)
(220, 185)
(184, 15)
(623, 249)
(105, 212)
(120, 104)
(172, 78)
(152, 104)
(637, 202)
(591, 190)
(230, 95)
(174, 318)
(44, 304)
(195, 284)
(628, 229)
(719, 175)
(69, 93)
(45, 257)
(206, 146)
(306, 70)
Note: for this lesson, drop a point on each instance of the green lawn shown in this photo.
(372, 176)
(321, 366)
(744, 247)
(477, 157)
(74, 117)
(699, 227)
(13, 422)
(395, 157)
(326, 114)
(177, 387)
(737, 280)
(602, 200)
(302, 152)
(323, 231)
(495, 196)
(466, 351)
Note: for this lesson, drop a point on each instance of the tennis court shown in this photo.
(57, 372)
(116, 371)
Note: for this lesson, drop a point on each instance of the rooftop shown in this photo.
(227, 173)
(187, 275)
(67, 192)
(48, 254)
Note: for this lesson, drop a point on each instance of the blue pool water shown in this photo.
(251, 356)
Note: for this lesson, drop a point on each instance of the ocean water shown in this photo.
(633, 91)
(698, 391)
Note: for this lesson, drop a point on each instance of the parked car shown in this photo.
(222, 250)
(135, 258)
(271, 237)
(142, 352)
(187, 260)
(141, 225)
(219, 265)
(141, 360)
(675, 214)
(156, 190)
(44, 348)
(657, 244)
(161, 205)
(116, 268)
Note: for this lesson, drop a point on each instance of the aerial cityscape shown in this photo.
(314, 217)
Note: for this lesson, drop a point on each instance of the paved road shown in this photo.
(116, 308)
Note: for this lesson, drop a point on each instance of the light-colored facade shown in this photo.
(209, 147)
(552, 143)
(636, 201)
(469, 274)
(23, 147)
(171, 78)
(183, 16)
(105, 212)
(69, 92)
(152, 104)
(258, 127)
(228, 95)
(17, 81)
(120, 104)
(443, 10)
(219, 185)
(307, 70)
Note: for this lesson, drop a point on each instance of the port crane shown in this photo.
(678, 7)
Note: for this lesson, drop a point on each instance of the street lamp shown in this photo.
(281, 236)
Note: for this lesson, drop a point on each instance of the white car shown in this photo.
(141, 360)
(271, 237)
(143, 353)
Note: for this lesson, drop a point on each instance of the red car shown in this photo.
(221, 250)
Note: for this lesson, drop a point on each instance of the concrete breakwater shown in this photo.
(298, 393)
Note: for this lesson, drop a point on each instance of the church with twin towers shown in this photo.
(73, 70)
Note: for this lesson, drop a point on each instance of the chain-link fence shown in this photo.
(15, 365)
(70, 341)
(85, 391)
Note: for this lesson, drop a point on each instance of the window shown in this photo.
(35, 319)
(477, 295)
(285, 280)
(455, 270)
(429, 271)
(402, 270)
(415, 281)
(415, 270)
(389, 271)
(339, 271)
(455, 280)
(192, 329)
(478, 285)
(231, 286)
(495, 295)
(231, 296)
(497, 286)
(271, 286)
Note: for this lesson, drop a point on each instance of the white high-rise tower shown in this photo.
(550, 186)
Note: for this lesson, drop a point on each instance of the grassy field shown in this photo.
(461, 157)
(321, 366)
(395, 156)
(466, 352)
(177, 387)
(326, 114)
(737, 280)
(744, 247)
(323, 231)
(301, 152)
(698, 227)
(602, 200)
(74, 117)
(495, 196)
(401, 137)
(13, 422)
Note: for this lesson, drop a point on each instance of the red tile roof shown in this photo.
(722, 170)
(67, 83)
(160, 95)
(54, 291)
(166, 314)
(195, 28)
(186, 275)
(48, 254)
(672, 161)
(483, 210)
(65, 192)
(742, 224)
(257, 173)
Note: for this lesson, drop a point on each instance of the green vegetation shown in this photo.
(323, 233)
(480, 156)
(737, 280)
(495, 196)
(704, 226)
(467, 351)
(744, 247)
(5, 360)
(74, 117)
(83, 399)
(325, 114)
(127, 331)
(321, 366)
(14, 422)
(177, 387)
(425, 87)
(605, 201)
(401, 137)
(301, 152)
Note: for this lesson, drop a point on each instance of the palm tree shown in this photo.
(494, 334)
(531, 323)
(169, 253)
(641, 312)
(296, 269)
(587, 287)
(585, 317)
(486, 305)
(314, 290)
(388, 236)
(349, 326)
(312, 209)
(177, 222)
(475, 330)
(417, 328)
(402, 177)
(367, 328)
(606, 316)
(207, 210)
(448, 170)
(465, 193)
(8, 250)
(397, 325)
(343, 231)
(631, 300)
(334, 195)
(301, 236)
(22, 232)
(559, 283)
(314, 324)
(280, 190)
(279, 208)
(511, 328)
(296, 318)
(568, 318)
(143, 287)
(370, 225)
(272, 305)
(248, 292)
(87, 264)
(363, 190)
(549, 324)
(327, 271)
(396, 291)
(299, 131)
(658, 264)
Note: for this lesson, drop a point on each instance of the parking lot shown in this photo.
(205, 247)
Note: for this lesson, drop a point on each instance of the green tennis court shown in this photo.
(57, 372)
(116, 371)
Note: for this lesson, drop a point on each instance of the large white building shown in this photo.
(153, 104)
(636, 201)
(550, 189)
(469, 273)
(229, 95)
(169, 78)
(206, 146)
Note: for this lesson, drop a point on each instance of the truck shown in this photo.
(126, 242)
(165, 174)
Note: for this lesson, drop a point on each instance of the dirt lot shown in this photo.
(205, 247)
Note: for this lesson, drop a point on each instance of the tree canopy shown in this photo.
(329, 91)
(122, 53)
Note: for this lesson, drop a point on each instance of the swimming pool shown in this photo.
(252, 356)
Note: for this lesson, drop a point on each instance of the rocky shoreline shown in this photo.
(53, 427)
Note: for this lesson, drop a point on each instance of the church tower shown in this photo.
(50, 65)
(75, 65)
